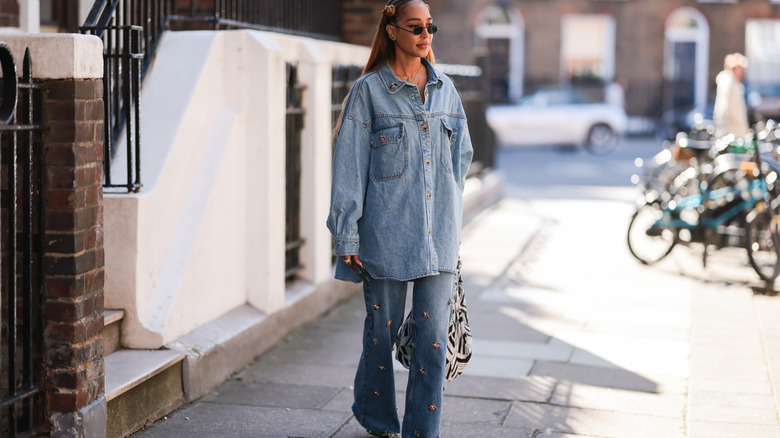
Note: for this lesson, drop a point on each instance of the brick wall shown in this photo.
(73, 309)
(360, 20)
(9, 13)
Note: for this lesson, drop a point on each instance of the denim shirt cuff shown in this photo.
(346, 245)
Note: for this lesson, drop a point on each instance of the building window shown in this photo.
(500, 29)
(59, 15)
(762, 47)
(587, 48)
(48, 15)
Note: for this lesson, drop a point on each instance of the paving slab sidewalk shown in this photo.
(561, 349)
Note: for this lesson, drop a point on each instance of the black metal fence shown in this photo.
(125, 42)
(319, 18)
(123, 56)
(22, 396)
(343, 77)
(294, 126)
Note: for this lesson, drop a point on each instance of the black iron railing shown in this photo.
(124, 61)
(22, 396)
(294, 126)
(344, 76)
(320, 18)
(131, 31)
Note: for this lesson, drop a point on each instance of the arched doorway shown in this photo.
(500, 29)
(686, 49)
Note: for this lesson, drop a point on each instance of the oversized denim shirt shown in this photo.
(399, 168)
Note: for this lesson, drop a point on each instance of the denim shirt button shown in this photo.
(428, 195)
(424, 127)
(427, 162)
(429, 231)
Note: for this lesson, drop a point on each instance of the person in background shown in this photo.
(730, 114)
(402, 151)
(615, 94)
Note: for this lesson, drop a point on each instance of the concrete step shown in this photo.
(112, 330)
(141, 386)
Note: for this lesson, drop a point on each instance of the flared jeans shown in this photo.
(375, 395)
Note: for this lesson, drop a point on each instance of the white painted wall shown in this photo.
(84, 7)
(206, 233)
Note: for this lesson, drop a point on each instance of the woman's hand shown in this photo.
(352, 261)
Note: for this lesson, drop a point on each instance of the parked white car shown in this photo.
(559, 116)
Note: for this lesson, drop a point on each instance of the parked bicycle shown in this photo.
(721, 200)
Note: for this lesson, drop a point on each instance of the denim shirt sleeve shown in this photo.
(462, 153)
(349, 181)
(462, 150)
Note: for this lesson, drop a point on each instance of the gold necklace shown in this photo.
(409, 78)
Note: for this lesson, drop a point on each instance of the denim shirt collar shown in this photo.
(393, 84)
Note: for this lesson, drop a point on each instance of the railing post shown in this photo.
(136, 60)
(295, 113)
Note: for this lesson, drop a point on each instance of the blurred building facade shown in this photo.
(665, 53)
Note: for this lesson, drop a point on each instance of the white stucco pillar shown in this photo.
(266, 170)
(316, 72)
(30, 16)
(84, 7)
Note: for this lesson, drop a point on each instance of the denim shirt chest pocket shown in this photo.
(389, 155)
(448, 137)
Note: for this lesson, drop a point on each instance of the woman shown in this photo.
(730, 113)
(401, 155)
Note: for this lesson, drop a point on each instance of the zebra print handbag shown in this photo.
(458, 337)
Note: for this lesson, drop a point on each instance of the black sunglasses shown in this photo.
(418, 30)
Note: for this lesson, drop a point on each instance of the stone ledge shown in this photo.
(126, 369)
(90, 419)
(58, 56)
(111, 316)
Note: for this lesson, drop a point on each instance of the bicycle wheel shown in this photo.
(763, 246)
(647, 243)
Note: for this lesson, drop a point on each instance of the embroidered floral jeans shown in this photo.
(375, 399)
